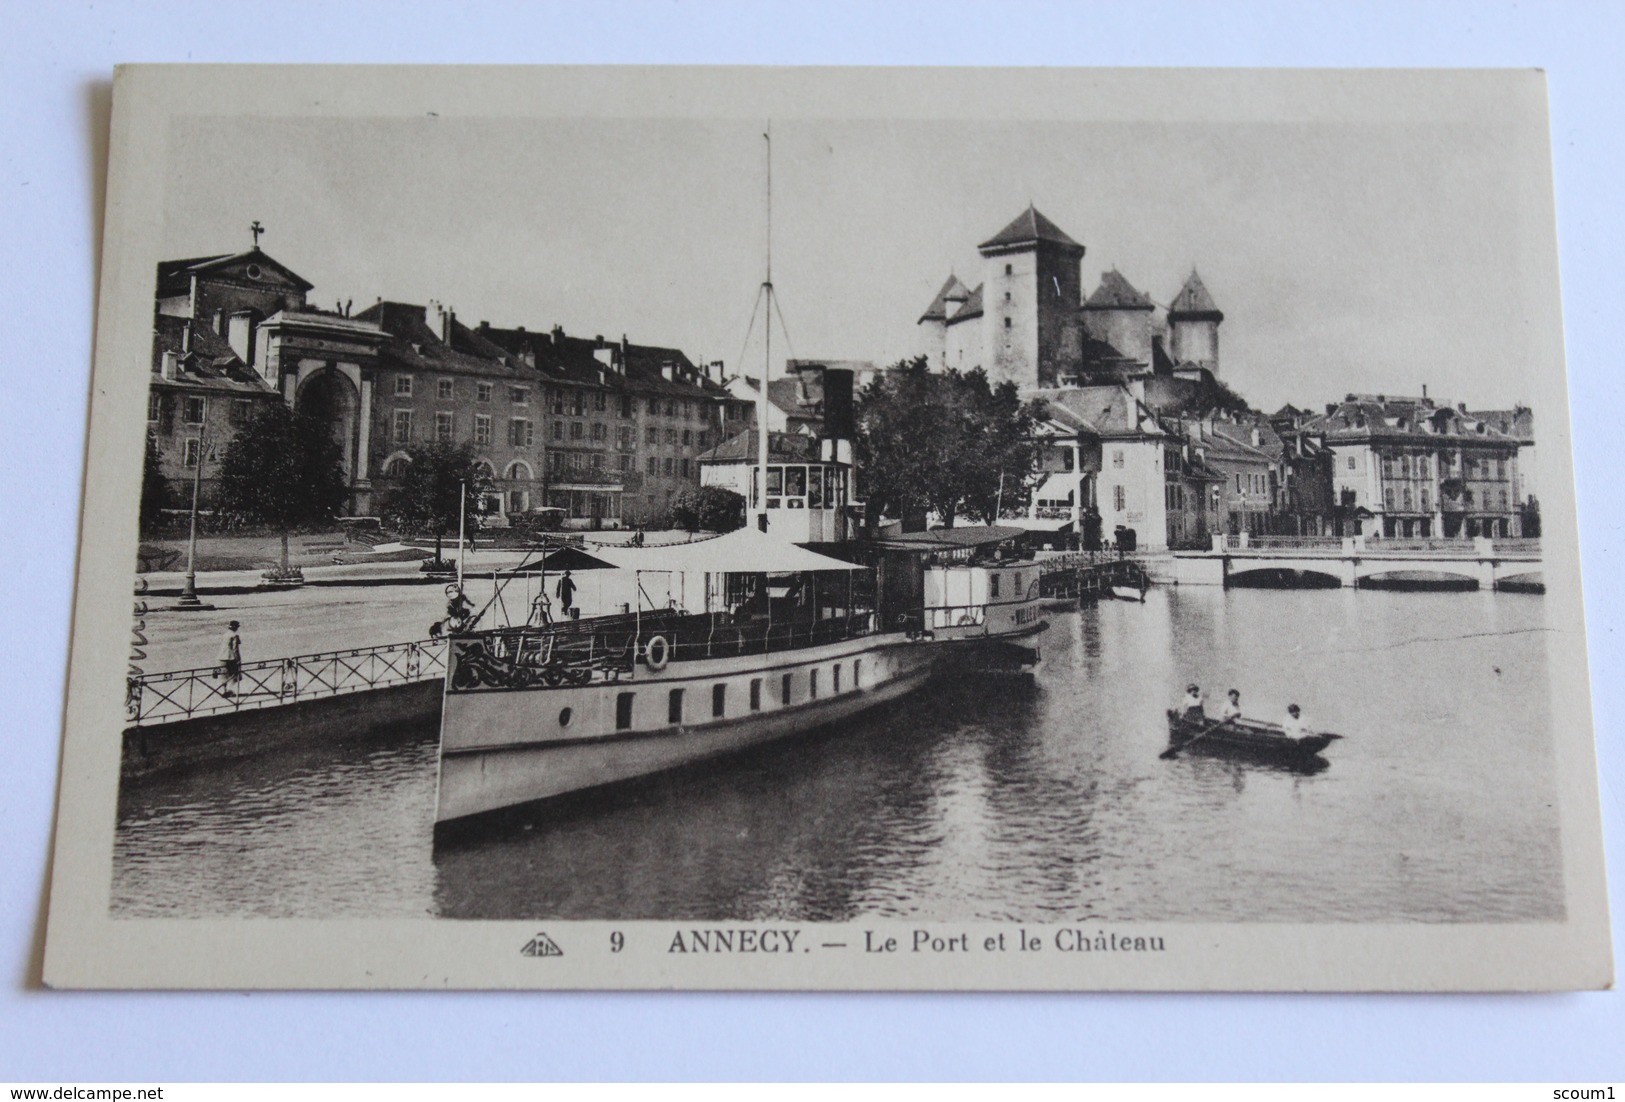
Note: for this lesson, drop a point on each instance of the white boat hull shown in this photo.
(505, 747)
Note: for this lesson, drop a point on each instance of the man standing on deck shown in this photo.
(566, 593)
(231, 661)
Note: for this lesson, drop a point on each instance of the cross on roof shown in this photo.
(256, 229)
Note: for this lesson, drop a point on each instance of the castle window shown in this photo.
(1007, 323)
(195, 408)
(403, 386)
(445, 388)
(519, 395)
(1007, 299)
(1007, 269)
(482, 392)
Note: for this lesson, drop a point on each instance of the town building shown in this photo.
(1408, 467)
(592, 432)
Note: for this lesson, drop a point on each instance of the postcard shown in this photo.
(847, 529)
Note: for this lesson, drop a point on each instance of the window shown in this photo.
(623, 438)
(191, 450)
(1007, 299)
(482, 428)
(685, 468)
(1117, 498)
(558, 430)
(1405, 499)
(812, 684)
(600, 432)
(1117, 458)
(403, 386)
(651, 435)
(654, 406)
(1007, 269)
(558, 401)
(756, 694)
(857, 671)
(626, 405)
(674, 706)
(992, 586)
(666, 465)
(1422, 465)
(671, 407)
(1351, 462)
(240, 409)
(734, 413)
(195, 410)
(671, 436)
(626, 462)
(600, 401)
(703, 440)
(688, 437)
(1425, 499)
(719, 701)
(597, 461)
(835, 678)
(155, 405)
(1007, 323)
(577, 431)
(403, 426)
(519, 395)
(482, 392)
(1388, 497)
(521, 433)
(445, 389)
(623, 710)
(555, 460)
(784, 690)
(442, 427)
(652, 466)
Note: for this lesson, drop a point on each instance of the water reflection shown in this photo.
(1038, 800)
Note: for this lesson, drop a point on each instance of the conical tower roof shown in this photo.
(1117, 293)
(1029, 228)
(952, 291)
(1193, 303)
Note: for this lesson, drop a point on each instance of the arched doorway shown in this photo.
(330, 397)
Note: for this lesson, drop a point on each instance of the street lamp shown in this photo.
(188, 601)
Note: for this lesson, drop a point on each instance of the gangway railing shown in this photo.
(152, 698)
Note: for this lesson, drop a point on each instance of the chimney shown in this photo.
(1257, 439)
(1424, 392)
(171, 365)
(1461, 407)
(557, 335)
(446, 318)
(186, 340)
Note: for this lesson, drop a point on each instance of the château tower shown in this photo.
(1030, 296)
(1193, 326)
(1121, 316)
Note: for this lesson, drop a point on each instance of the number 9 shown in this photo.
(617, 941)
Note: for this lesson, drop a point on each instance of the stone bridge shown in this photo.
(1352, 560)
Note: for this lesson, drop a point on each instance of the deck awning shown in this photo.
(949, 539)
(745, 551)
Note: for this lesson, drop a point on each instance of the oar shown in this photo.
(1173, 751)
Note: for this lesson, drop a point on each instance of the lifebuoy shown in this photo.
(656, 652)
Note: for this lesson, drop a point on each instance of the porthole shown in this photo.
(564, 717)
(254, 271)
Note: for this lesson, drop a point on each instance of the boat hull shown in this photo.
(1247, 740)
(504, 747)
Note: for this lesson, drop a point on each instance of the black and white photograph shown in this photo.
(829, 529)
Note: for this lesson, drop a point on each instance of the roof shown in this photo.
(1193, 303)
(414, 345)
(952, 291)
(743, 551)
(1029, 228)
(1365, 417)
(209, 365)
(1116, 293)
(175, 276)
(949, 539)
(1101, 410)
(786, 447)
(970, 308)
(615, 364)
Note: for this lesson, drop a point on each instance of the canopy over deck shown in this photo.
(949, 539)
(745, 551)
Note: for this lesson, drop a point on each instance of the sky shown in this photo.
(1346, 255)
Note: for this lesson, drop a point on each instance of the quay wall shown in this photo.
(231, 736)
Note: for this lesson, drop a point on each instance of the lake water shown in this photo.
(1040, 800)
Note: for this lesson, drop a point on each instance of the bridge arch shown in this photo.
(1277, 575)
(1403, 575)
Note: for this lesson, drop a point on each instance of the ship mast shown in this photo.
(767, 361)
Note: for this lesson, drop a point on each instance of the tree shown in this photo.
(283, 469)
(708, 508)
(429, 494)
(154, 489)
(947, 443)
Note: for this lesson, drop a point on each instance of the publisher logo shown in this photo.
(541, 946)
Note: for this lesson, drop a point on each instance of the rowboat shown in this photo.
(1248, 739)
